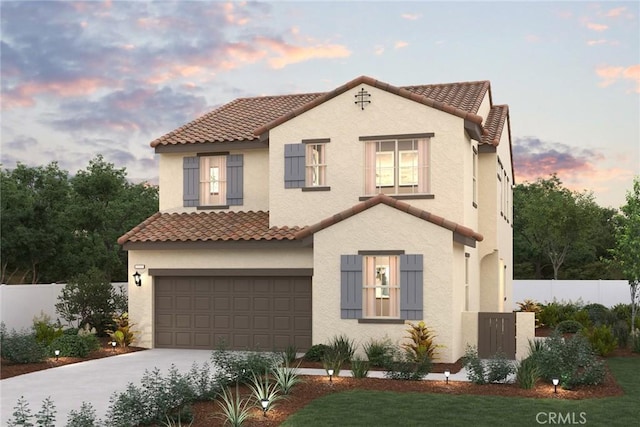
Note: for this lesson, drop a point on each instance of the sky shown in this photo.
(81, 78)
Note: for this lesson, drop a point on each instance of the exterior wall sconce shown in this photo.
(265, 404)
(330, 372)
(137, 279)
(555, 382)
(446, 376)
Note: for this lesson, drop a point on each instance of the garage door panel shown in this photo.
(268, 313)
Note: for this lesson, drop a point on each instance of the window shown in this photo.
(316, 167)
(305, 165)
(213, 181)
(397, 166)
(381, 286)
(475, 177)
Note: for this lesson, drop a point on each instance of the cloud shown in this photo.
(378, 50)
(532, 38)
(400, 44)
(283, 53)
(596, 42)
(411, 16)
(613, 13)
(143, 110)
(534, 158)
(613, 74)
(21, 143)
(597, 27)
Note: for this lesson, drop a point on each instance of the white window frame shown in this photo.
(384, 170)
(316, 165)
(381, 286)
(213, 180)
(475, 176)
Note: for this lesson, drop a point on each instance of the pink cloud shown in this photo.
(400, 44)
(596, 42)
(230, 15)
(287, 54)
(615, 12)
(24, 95)
(611, 75)
(411, 16)
(597, 27)
(378, 50)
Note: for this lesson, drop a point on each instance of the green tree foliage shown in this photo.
(559, 233)
(54, 226)
(626, 253)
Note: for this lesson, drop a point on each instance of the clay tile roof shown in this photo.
(495, 124)
(207, 226)
(394, 203)
(245, 119)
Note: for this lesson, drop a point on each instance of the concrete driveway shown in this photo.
(93, 381)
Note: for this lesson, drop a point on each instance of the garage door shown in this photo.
(254, 313)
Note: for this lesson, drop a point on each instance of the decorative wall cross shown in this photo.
(363, 98)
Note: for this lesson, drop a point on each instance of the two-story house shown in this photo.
(288, 220)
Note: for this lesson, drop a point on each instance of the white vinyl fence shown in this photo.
(20, 303)
(605, 292)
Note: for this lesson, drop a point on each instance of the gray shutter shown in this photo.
(411, 287)
(235, 179)
(190, 181)
(294, 163)
(350, 286)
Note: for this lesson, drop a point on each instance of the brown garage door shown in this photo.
(246, 313)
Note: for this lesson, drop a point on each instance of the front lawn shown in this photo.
(380, 408)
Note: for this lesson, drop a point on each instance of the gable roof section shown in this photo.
(456, 228)
(495, 124)
(207, 226)
(245, 119)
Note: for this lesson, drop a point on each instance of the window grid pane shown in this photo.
(316, 167)
(397, 167)
(381, 290)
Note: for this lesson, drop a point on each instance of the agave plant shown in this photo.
(286, 377)
(235, 410)
(264, 391)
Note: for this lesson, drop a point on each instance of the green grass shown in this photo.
(379, 408)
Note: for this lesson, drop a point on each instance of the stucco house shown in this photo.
(287, 220)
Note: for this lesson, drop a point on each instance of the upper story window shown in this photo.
(316, 165)
(213, 181)
(397, 166)
(305, 165)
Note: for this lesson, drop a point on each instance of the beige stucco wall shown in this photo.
(525, 332)
(141, 298)
(256, 193)
(384, 228)
(343, 122)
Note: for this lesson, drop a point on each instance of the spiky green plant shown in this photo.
(286, 378)
(235, 409)
(263, 390)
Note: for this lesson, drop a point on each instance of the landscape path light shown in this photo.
(57, 353)
(446, 375)
(330, 372)
(113, 345)
(265, 405)
(555, 382)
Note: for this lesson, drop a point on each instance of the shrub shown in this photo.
(421, 343)
(316, 353)
(473, 365)
(290, 354)
(550, 314)
(499, 368)
(527, 373)
(44, 330)
(235, 410)
(85, 417)
(620, 331)
(123, 334)
(379, 353)
(21, 414)
(203, 384)
(22, 347)
(602, 340)
(598, 314)
(568, 327)
(89, 298)
(359, 368)
(333, 359)
(238, 367)
(404, 366)
(46, 416)
(582, 317)
(343, 347)
(72, 345)
(570, 360)
(531, 306)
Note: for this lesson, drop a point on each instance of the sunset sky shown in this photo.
(82, 78)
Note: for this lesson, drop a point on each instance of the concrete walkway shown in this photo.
(95, 381)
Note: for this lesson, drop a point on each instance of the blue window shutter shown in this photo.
(294, 163)
(411, 287)
(350, 286)
(190, 181)
(235, 179)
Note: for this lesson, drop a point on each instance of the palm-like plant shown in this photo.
(235, 410)
(286, 378)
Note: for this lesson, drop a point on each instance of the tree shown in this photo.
(627, 249)
(551, 223)
(104, 206)
(34, 223)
